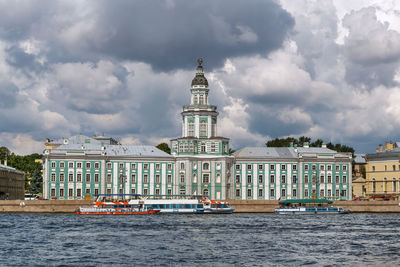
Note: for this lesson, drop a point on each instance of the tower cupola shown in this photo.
(199, 79)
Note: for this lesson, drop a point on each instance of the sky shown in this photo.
(324, 69)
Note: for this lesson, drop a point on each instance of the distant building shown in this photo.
(383, 172)
(200, 163)
(359, 184)
(12, 183)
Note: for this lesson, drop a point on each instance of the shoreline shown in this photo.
(241, 206)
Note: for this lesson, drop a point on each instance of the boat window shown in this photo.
(175, 206)
(187, 206)
(200, 206)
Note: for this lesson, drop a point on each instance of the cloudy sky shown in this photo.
(325, 69)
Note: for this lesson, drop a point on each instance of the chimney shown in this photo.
(388, 146)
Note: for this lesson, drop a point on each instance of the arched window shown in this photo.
(206, 166)
(201, 102)
(203, 147)
(218, 180)
(373, 185)
(203, 129)
(205, 192)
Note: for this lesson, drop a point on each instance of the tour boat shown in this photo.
(115, 208)
(212, 206)
(308, 206)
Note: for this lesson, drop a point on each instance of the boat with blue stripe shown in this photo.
(309, 206)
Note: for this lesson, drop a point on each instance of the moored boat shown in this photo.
(115, 208)
(213, 206)
(308, 206)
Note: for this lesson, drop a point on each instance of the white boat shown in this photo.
(308, 206)
(213, 206)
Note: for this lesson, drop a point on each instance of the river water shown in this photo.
(200, 240)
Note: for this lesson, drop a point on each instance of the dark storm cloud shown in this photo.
(8, 94)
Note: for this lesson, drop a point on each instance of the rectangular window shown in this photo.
(108, 190)
(322, 167)
(157, 191)
(394, 167)
(345, 167)
(53, 192)
(306, 179)
(145, 166)
(283, 167)
(108, 178)
(70, 165)
(306, 167)
(109, 166)
(182, 178)
(79, 165)
(145, 191)
(87, 177)
(260, 179)
(61, 192)
(272, 167)
(272, 179)
(61, 177)
(283, 193)
(272, 193)
(206, 178)
(248, 167)
(121, 178)
(70, 192)
(305, 192)
(169, 192)
(373, 168)
(337, 192)
(344, 193)
(329, 192)
(133, 191)
(238, 179)
(248, 192)
(238, 192)
(314, 168)
(283, 178)
(329, 179)
(87, 165)
(121, 191)
(337, 179)
(337, 168)
(62, 165)
(344, 179)
(96, 191)
(260, 192)
(294, 167)
(88, 191)
(294, 178)
(260, 166)
(79, 177)
(294, 193)
(237, 167)
(314, 179)
(182, 165)
(249, 179)
(133, 178)
(169, 179)
(121, 166)
(53, 164)
(96, 165)
(322, 179)
(157, 178)
(169, 167)
(157, 166)
(70, 177)
(133, 166)
(322, 193)
(145, 179)
(96, 177)
(329, 167)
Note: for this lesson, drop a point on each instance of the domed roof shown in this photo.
(199, 79)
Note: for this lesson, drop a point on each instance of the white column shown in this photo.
(139, 178)
(277, 181)
(255, 182)
(164, 179)
(103, 177)
(196, 126)
(151, 178)
(266, 181)
(244, 187)
(115, 178)
(46, 179)
(185, 133)
(209, 126)
(127, 178)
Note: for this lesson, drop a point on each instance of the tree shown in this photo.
(4, 153)
(36, 182)
(164, 147)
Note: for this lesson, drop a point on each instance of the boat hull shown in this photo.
(330, 210)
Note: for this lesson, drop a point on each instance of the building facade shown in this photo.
(12, 183)
(200, 163)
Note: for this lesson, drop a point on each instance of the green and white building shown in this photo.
(200, 163)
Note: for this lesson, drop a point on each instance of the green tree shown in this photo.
(36, 182)
(4, 153)
(164, 147)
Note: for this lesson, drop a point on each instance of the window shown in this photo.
(272, 193)
(249, 179)
(283, 193)
(213, 147)
(61, 192)
(249, 167)
(344, 193)
(306, 167)
(206, 178)
(238, 192)
(157, 166)
(260, 192)
(108, 178)
(283, 178)
(87, 165)
(322, 193)
(272, 179)
(182, 165)
(145, 191)
(70, 165)
(133, 166)
(87, 191)
(169, 179)
(61, 177)
(109, 166)
(169, 192)
(203, 129)
(79, 177)
(205, 192)
(337, 179)
(314, 179)
(218, 178)
(194, 178)
(182, 191)
(272, 167)
(237, 167)
(53, 164)
(145, 179)
(322, 179)
(203, 147)
(96, 191)
(337, 192)
(260, 179)
(305, 192)
(260, 166)
(70, 192)
(314, 168)
(133, 191)
(70, 177)
(53, 192)
(87, 177)
(373, 168)
(237, 178)
(206, 166)
(190, 129)
(294, 193)
(157, 191)
(344, 179)
(79, 165)
(108, 190)
(96, 165)
(96, 177)
(294, 179)
(157, 178)
(182, 178)
(306, 179)
(322, 167)
(283, 167)
(345, 167)
(121, 166)
(329, 167)
(169, 166)
(62, 164)
(394, 167)
(294, 167)
(133, 178)
(329, 179)
(337, 168)
(329, 192)
(249, 192)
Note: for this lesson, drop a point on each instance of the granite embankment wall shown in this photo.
(241, 206)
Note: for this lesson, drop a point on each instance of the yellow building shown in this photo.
(359, 182)
(383, 172)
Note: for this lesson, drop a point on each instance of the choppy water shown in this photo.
(202, 240)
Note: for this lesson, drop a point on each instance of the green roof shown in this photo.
(304, 201)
